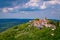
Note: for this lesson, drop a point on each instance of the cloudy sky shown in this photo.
(29, 9)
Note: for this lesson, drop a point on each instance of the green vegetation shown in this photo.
(27, 32)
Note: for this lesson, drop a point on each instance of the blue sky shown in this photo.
(29, 9)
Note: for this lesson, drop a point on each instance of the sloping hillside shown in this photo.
(27, 32)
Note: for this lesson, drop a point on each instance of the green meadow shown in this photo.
(27, 32)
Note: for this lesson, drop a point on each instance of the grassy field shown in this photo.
(27, 32)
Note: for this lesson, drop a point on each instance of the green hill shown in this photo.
(27, 32)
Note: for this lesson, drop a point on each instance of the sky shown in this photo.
(30, 9)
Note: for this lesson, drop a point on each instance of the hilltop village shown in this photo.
(40, 23)
(37, 29)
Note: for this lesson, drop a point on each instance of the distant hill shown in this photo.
(54, 20)
(7, 23)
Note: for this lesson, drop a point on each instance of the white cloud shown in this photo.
(58, 2)
(34, 0)
(4, 10)
(43, 6)
(53, 2)
(7, 9)
(16, 7)
(32, 3)
(10, 9)
(40, 4)
(36, 4)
